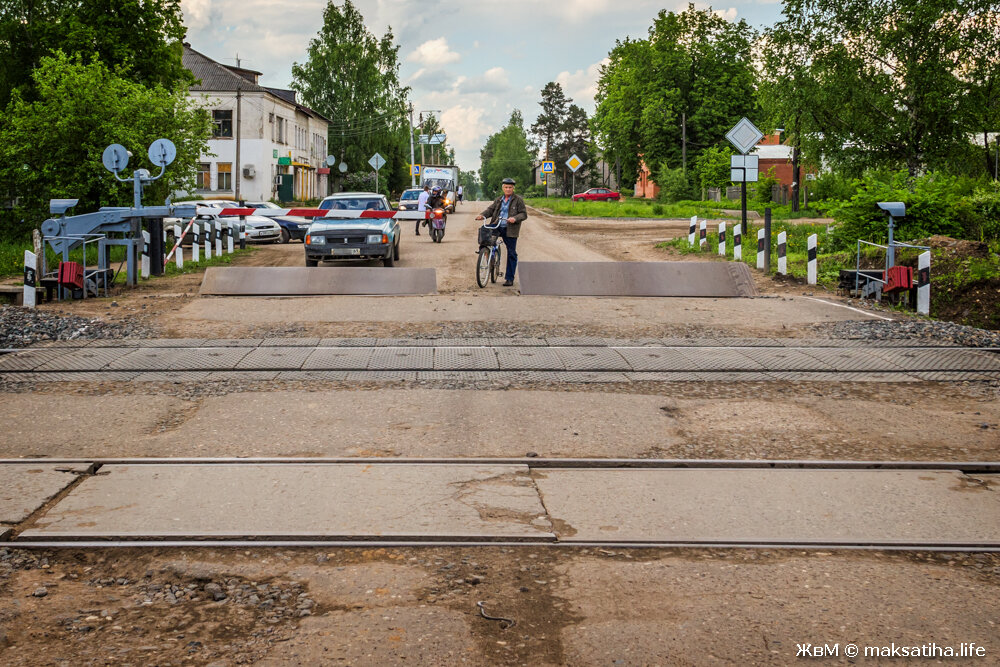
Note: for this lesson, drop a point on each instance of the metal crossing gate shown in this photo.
(691, 279)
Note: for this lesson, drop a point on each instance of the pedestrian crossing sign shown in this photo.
(548, 167)
(415, 169)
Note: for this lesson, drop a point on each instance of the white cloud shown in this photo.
(581, 85)
(434, 52)
(728, 14)
(196, 11)
(493, 80)
(465, 127)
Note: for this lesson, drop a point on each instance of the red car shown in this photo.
(597, 194)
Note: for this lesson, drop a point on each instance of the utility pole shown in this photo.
(684, 142)
(413, 181)
(422, 159)
(239, 119)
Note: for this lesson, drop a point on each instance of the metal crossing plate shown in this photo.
(316, 281)
(722, 359)
(146, 359)
(85, 359)
(592, 359)
(279, 358)
(465, 358)
(691, 279)
(784, 359)
(941, 360)
(27, 360)
(529, 358)
(290, 342)
(208, 358)
(338, 359)
(402, 358)
(658, 359)
(851, 359)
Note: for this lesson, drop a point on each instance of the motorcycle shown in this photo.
(437, 222)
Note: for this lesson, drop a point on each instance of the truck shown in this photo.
(445, 176)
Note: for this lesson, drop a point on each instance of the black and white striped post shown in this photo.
(179, 251)
(208, 240)
(218, 238)
(144, 270)
(924, 283)
(760, 249)
(694, 223)
(229, 236)
(738, 242)
(30, 279)
(811, 263)
(782, 249)
(722, 239)
(702, 235)
(196, 242)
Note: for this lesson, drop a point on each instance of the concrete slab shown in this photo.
(732, 506)
(317, 281)
(688, 279)
(338, 359)
(25, 488)
(280, 358)
(350, 501)
(465, 358)
(27, 360)
(659, 359)
(85, 359)
(941, 360)
(592, 359)
(402, 358)
(529, 358)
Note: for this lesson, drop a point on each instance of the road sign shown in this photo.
(548, 167)
(432, 138)
(743, 168)
(574, 163)
(415, 169)
(744, 136)
(376, 161)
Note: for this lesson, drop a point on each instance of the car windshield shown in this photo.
(354, 204)
(263, 204)
(410, 194)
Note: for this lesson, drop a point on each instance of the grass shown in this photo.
(817, 209)
(627, 208)
(12, 259)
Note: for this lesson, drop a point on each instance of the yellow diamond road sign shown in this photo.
(574, 162)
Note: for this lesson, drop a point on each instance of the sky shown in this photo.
(472, 62)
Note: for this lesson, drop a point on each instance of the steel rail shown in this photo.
(983, 467)
(980, 547)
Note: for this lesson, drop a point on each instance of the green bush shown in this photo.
(674, 185)
(626, 192)
(933, 206)
(832, 185)
(657, 209)
(979, 214)
(761, 190)
(534, 191)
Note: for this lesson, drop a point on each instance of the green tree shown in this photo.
(712, 167)
(140, 39)
(508, 153)
(352, 78)
(678, 91)
(51, 146)
(893, 83)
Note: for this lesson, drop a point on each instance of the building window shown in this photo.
(225, 181)
(222, 123)
(203, 181)
(281, 131)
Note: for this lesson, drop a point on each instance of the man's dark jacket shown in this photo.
(516, 210)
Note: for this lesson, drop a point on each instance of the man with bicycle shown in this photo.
(508, 211)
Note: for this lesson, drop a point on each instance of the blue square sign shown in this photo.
(548, 167)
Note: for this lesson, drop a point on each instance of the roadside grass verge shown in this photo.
(627, 208)
(12, 259)
(817, 209)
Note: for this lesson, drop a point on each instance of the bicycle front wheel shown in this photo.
(497, 263)
(483, 266)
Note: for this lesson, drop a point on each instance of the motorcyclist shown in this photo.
(436, 199)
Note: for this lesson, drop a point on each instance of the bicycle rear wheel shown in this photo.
(497, 263)
(483, 266)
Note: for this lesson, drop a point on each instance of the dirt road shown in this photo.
(570, 606)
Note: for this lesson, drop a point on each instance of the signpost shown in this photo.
(574, 163)
(548, 167)
(744, 136)
(377, 162)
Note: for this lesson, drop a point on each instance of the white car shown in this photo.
(258, 228)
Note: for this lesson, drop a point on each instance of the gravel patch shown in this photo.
(942, 332)
(22, 327)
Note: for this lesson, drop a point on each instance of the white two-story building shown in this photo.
(261, 137)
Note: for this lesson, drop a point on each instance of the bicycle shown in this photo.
(490, 257)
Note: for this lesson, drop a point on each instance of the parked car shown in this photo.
(597, 194)
(259, 229)
(292, 226)
(334, 239)
(408, 200)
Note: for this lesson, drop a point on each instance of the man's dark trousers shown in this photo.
(511, 243)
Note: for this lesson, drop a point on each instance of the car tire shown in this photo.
(389, 260)
(312, 262)
(285, 236)
(395, 251)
